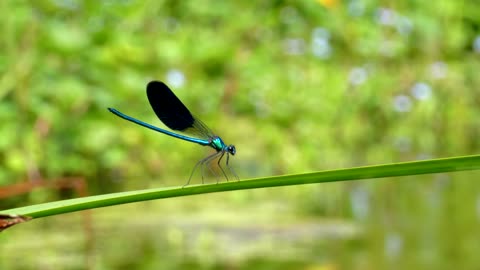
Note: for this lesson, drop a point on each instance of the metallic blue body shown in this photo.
(215, 142)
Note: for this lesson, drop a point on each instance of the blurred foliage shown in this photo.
(296, 85)
(306, 81)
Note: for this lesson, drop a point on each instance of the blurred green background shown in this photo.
(297, 86)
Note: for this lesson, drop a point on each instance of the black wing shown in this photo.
(168, 107)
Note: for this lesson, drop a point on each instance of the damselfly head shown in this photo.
(231, 149)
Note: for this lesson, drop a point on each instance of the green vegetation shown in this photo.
(297, 86)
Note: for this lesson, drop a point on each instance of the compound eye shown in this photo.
(231, 149)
